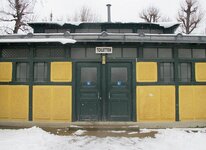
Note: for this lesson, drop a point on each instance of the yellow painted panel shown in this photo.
(4, 102)
(14, 101)
(200, 72)
(192, 102)
(5, 71)
(155, 103)
(42, 102)
(148, 103)
(186, 103)
(167, 103)
(61, 71)
(146, 72)
(19, 97)
(200, 102)
(52, 103)
(61, 103)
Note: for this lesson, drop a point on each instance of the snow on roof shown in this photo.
(39, 40)
(167, 24)
(61, 23)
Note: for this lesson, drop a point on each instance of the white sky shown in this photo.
(122, 10)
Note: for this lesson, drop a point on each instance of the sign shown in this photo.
(103, 50)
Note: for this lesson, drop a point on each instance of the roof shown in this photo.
(60, 23)
(71, 38)
(30, 38)
(38, 40)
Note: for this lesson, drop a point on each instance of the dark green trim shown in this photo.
(74, 84)
(13, 71)
(176, 63)
(104, 91)
(49, 72)
(31, 77)
(134, 100)
(30, 102)
(177, 113)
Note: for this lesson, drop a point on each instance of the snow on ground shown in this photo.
(166, 139)
(120, 131)
(79, 132)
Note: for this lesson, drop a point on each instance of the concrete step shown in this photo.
(104, 127)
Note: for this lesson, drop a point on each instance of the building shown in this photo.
(139, 72)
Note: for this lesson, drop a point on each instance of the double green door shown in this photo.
(103, 92)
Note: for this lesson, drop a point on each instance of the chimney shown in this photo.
(109, 12)
(51, 16)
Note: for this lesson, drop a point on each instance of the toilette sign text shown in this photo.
(103, 50)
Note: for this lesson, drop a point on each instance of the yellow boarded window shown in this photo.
(155, 103)
(52, 103)
(14, 101)
(192, 103)
(146, 72)
(61, 71)
(5, 71)
(200, 72)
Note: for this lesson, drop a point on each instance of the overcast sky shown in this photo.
(122, 10)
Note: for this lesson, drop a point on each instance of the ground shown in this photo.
(147, 139)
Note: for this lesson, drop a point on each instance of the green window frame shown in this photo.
(184, 72)
(166, 72)
(15, 53)
(157, 53)
(41, 72)
(188, 53)
(49, 52)
(22, 72)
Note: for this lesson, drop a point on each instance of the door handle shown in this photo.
(98, 96)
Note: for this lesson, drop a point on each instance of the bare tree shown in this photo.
(190, 15)
(85, 15)
(165, 19)
(19, 12)
(150, 14)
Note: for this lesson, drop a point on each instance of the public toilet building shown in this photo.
(133, 72)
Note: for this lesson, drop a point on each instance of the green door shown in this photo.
(88, 91)
(103, 92)
(119, 84)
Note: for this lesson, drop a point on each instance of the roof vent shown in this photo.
(141, 34)
(179, 35)
(109, 12)
(104, 33)
(29, 35)
(67, 34)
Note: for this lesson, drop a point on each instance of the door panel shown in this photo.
(119, 91)
(88, 90)
(111, 81)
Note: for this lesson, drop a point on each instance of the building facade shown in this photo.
(139, 72)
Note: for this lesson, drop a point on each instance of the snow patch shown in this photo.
(120, 131)
(167, 24)
(79, 132)
(166, 139)
(38, 40)
(132, 133)
(60, 23)
(146, 130)
(74, 126)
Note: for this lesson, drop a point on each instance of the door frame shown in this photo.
(133, 87)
